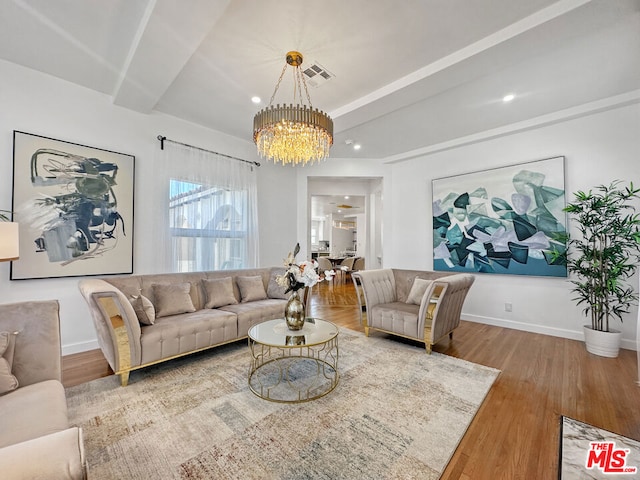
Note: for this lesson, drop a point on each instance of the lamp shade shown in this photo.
(9, 241)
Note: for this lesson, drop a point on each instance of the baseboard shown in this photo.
(496, 322)
(79, 347)
(527, 327)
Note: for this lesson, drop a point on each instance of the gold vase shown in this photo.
(294, 313)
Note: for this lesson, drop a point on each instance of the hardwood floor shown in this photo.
(515, 434)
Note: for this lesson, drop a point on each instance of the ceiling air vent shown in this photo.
(317, 75)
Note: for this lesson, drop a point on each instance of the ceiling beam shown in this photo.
(168, 35)
(381, 101)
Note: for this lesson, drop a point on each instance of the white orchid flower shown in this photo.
(308, 274)
(291, 259)
(305, 273)
(329, 274)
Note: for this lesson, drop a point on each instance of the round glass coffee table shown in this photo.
(293, 366)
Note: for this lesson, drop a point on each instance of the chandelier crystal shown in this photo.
(293, 134)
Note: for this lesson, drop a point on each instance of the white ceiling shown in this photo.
(409, 74)
(340, 206)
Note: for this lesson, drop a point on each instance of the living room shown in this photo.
(598, 138)
(590, 136)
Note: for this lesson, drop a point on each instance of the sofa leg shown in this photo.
(365, 324)
(428, 347)
(450, 335)
(124, 378)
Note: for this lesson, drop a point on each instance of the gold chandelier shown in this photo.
(293, 134)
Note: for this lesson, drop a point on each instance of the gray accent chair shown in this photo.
(35, 438)
(385, 306)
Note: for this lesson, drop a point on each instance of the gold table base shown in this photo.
(293, 372)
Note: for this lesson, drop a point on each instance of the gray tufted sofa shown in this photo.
(416, 304)
(128, 344)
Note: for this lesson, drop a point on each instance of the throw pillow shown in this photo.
(172, 299)
(219, 292)
(8, 381)
(145, 311)
(251, 288)
(420, 286)
(11, 346)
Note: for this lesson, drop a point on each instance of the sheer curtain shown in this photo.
(207, 210)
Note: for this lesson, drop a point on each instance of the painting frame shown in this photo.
(75, 208)
(504, 220)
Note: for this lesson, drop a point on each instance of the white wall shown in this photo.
(341, 240)
(44, 105)
(598, 148)
(362, 234)
(278, 196)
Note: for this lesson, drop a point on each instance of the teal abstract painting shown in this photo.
(507, 220)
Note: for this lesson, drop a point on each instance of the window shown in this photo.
(207, 215)
(208, 227)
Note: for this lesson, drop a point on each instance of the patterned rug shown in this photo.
(396, 413)
(590, 453)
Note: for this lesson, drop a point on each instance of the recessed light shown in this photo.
(357, 146)
(508, 98)
(346, 197)
(255, 99)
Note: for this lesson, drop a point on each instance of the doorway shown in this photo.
(345, 218)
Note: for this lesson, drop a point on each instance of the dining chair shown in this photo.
(324, 264)
(358, 264)
(345, 268)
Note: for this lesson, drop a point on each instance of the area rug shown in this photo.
(396, 413)
(588, 452)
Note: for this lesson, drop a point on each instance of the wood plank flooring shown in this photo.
(515, 435)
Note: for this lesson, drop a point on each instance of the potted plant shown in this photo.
(604, 259)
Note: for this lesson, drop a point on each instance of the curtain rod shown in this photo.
(165, 139)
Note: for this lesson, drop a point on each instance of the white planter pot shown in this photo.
(604, 344)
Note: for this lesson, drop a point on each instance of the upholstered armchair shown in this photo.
(419, 305)
(35, 438)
